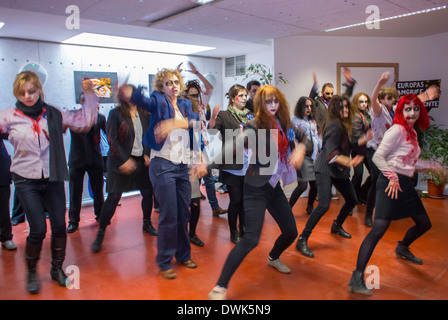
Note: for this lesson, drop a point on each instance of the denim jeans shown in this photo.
(172, 188)
(36, 196)
(209, 182)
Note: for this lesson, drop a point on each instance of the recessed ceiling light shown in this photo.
(100, 40)
(202, 1)
(390, 18)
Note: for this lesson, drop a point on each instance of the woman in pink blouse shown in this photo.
(39, 166)
(397, 157)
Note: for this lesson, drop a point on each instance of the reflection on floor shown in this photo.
(126, 268)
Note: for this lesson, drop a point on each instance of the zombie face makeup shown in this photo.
(240, 100)
(272, 105)
(363, 102)
(171, 87)
(411, 113)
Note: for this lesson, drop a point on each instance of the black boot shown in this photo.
(57, 259)
(235, 236)
(148, 228)
(357, 285)
(97, 244)
(32, 255)
(338, 230)
(302, 247)
(368, 221)
(403, 252)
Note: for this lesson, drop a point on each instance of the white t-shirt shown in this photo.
(380, 124)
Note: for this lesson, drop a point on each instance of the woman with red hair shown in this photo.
(397, 157)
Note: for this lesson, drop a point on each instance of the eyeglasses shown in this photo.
(196, 95)
(169, 83)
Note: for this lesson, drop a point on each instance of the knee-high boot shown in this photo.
(57, 259)
(32, 255)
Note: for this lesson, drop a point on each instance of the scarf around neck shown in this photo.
(239, 115)
(33, 111)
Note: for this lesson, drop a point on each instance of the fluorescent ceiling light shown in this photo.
(201, 2)
(2, 24)
(100, 40)
(390, 18)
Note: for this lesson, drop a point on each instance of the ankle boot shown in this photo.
(32, 255)
(57, 259)
(235, 236)
(357, 285)
(338, 230)
(302, 247)
(97, 244)
(148, 228)
(403, 252)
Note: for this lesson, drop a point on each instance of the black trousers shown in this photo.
(5, 221)
(256, 201)
(324, 183)
(37, 196)
(76, 185)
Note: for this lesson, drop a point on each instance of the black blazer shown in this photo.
(335, 141)
(120, 134)
(85, 147)
(253, 176)
(5, 164)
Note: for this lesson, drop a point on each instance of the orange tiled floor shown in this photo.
(126, 269)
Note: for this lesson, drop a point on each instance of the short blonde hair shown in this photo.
(159, 79)
(22, 78)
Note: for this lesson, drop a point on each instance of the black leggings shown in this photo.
(111, 203)
(195, 209)
(301, 187)
(422, 224)
(236, 207)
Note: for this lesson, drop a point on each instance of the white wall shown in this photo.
(60, 62)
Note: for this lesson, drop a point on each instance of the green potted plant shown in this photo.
(434, 146)
(263, 74)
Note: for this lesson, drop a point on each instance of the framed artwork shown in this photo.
(103, 84)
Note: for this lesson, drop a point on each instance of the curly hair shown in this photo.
(162, 75)
(299, 110)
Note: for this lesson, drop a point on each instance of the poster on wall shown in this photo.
(150, 80)
(103, 83)
(417, 87)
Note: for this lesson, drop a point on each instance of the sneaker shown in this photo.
(279, 265)
(9, 245)
(217, 293)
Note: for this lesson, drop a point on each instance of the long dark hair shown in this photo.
(299, 110)
(335, 110)
(124, 106)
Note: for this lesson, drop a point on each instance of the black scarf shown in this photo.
(33, 111)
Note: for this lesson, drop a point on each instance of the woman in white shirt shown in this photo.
(397, 157)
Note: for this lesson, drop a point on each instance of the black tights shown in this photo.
(195, 209)
(301, 187)
(422, 224)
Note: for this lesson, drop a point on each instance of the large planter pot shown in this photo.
(435, 191)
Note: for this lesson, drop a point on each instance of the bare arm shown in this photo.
(376, 107)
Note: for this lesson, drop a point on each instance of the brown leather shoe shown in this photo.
(169, 274)
(218, 211)
(190, 264)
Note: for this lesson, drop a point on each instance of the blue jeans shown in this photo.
(36, 196)
(172, 188)
(209, 182)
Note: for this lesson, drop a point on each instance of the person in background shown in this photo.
(252, 88)
(303, 119)
(127, 165)
(5, 193)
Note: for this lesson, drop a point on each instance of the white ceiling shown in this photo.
(232, 26)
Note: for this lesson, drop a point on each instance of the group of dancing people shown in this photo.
(158, 145)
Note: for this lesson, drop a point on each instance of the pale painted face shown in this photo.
(171, 87)
(29, 94)
(363, 102)
(240, 100)
(272, 105)
(411, 113)
(307, 110)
